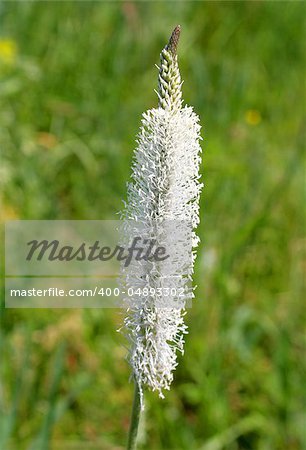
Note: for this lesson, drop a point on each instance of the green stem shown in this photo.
(132, 440)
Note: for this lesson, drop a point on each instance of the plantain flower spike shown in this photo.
(164, 186)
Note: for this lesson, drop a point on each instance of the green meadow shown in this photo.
(75, 78)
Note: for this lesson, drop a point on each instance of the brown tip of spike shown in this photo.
(174, 39)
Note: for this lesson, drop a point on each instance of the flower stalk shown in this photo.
(135, 417)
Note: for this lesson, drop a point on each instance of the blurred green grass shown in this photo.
(75, 78)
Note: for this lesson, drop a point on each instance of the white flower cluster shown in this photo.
(165, 188)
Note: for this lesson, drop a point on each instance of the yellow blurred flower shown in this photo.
(7, 212)
(47, 140)
(8, 51)
(252, 117)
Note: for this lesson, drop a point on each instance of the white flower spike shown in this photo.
(164, 187)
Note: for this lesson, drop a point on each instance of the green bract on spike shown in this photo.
(169, 79)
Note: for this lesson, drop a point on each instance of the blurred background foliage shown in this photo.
(75, 78)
